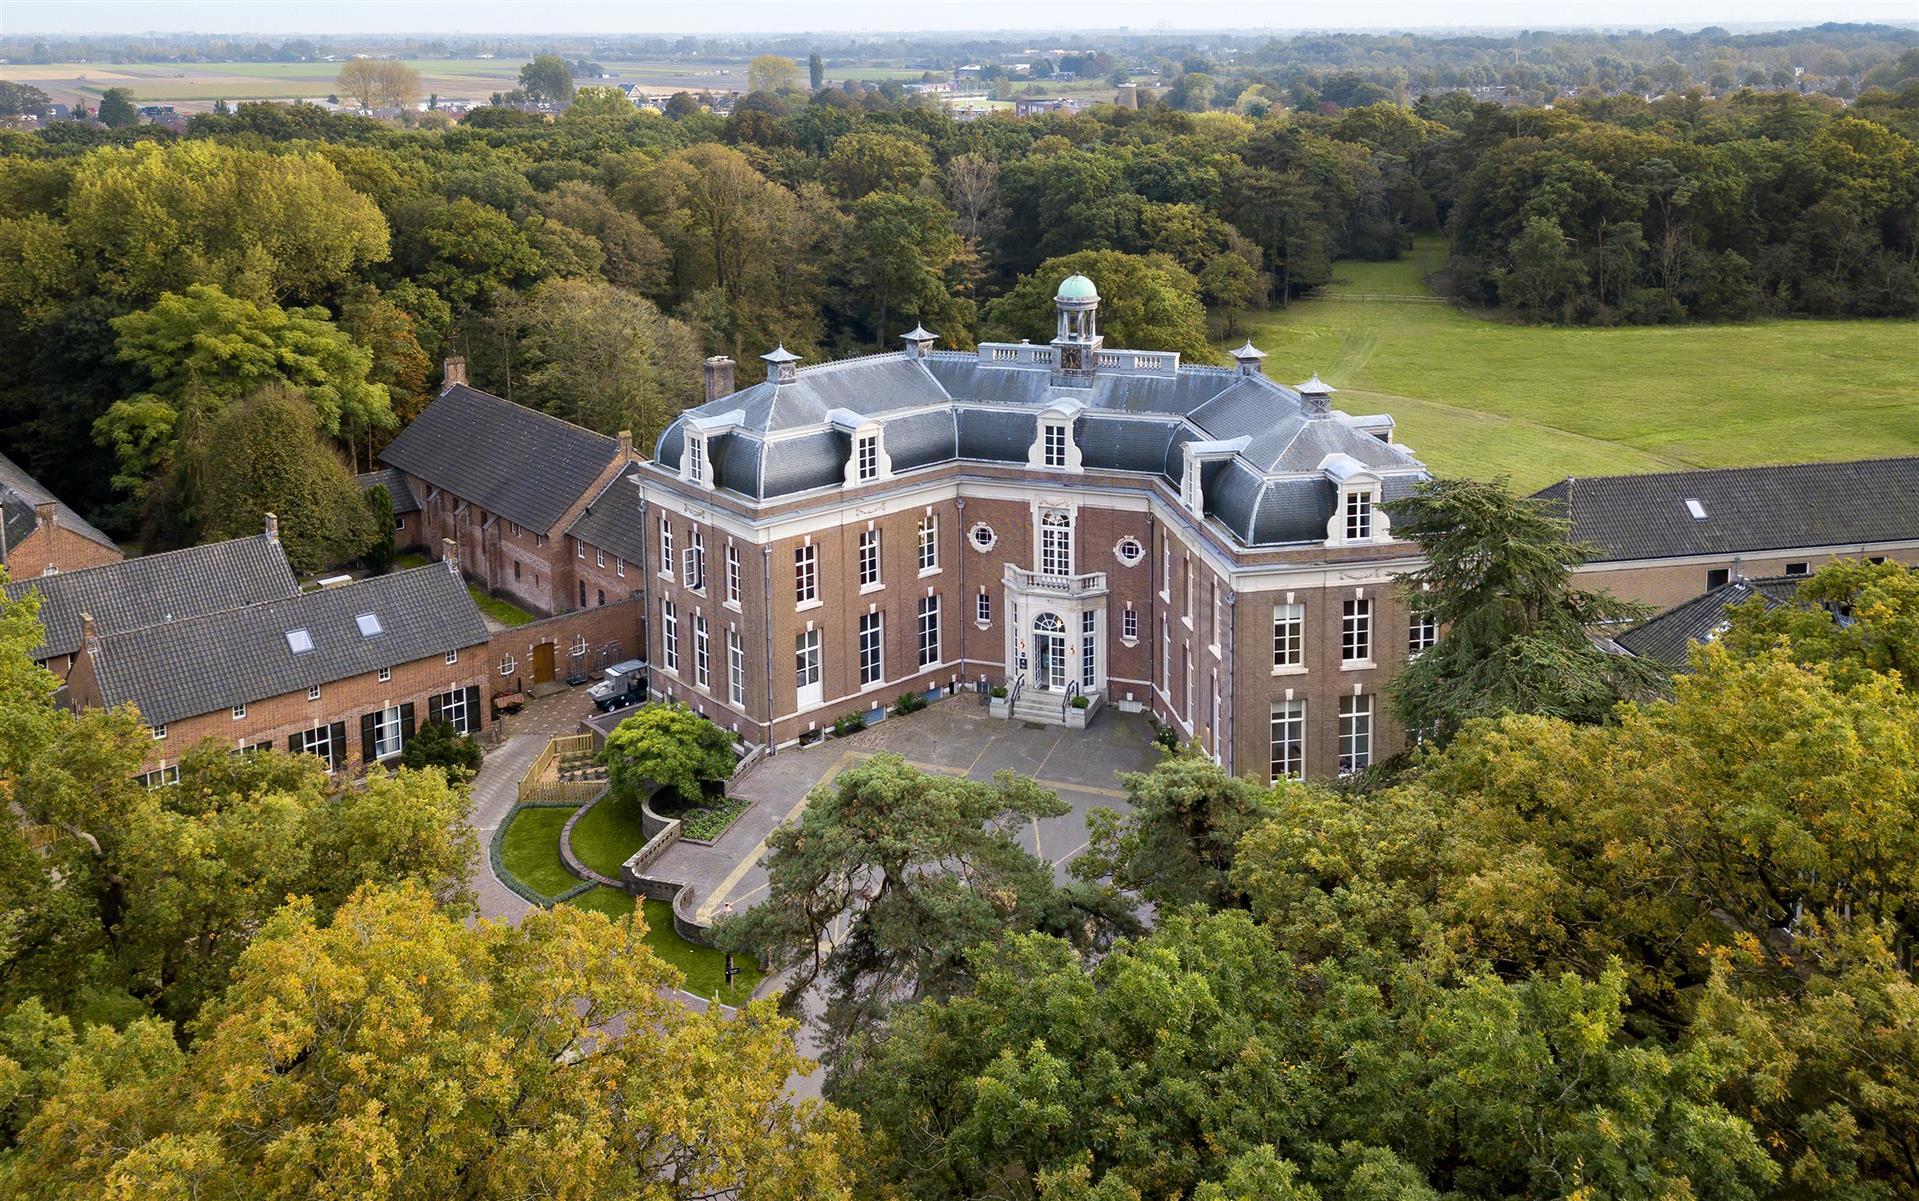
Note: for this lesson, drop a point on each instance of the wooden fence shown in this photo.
(536, 788)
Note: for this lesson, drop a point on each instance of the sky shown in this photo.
(455, 17)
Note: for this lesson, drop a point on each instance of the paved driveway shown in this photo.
(954, 736)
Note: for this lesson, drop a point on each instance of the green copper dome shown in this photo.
(1077, 287)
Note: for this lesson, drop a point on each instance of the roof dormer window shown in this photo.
(1356, 518)
(1053, 447)
(866, 460)
(1359, 515)
(695, 459)
(1191, 495)
(866, 455)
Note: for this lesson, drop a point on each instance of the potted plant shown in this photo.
(999, 704)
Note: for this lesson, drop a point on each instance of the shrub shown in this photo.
(1081, 702)
(909, 702)
(852, 723)
(997, 692)
(438, 744)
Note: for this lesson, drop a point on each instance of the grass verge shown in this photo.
(703, 967)
(505, 612)
(531, 850)
(608, 835)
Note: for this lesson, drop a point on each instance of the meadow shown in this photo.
(1478, 396)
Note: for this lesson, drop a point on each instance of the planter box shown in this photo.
(1078, 719)
(999, 706)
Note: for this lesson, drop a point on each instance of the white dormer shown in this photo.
(1357, 519)
(866, 460)
(1192, 493)
(1054, 448)
(696, 452)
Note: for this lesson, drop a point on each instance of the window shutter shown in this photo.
(366, 738)
(406, 723)
(433, 704)
(336, 744)
(473, 708)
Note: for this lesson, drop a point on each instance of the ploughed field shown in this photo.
(1482, 397)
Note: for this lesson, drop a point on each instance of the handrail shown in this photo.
(1012, 693)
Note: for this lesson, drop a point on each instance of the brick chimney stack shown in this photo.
(46, 514)
(272, 528)
(453, 371)
(719, 377)
(89, 635)
(626, 444)
(450, 554)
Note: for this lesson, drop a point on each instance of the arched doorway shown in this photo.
(1049, 652)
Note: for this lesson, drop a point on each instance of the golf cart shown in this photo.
(621, 685)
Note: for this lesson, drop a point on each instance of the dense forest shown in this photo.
(152, 283)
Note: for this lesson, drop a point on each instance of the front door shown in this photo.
(1049, 652)
(543, 663)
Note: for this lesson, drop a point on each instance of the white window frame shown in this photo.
(508, 663)
(866, 458)
(1289, 636)
(1088, 650)
(1129, 625)
(1358, 512)
(695, 559)
(619, 566)
(702, 661)
(1355, 733)
(983, 610)
(666, 546)
(453, 711)
(867, 559)
(1286, 758)
(733, 575)
(159, 777)
(313, 692)
(929, 630)
(695, 459)
(240, 711)
(1422, 631)
(159, 730)
(1053, 444)
(387, 722)
(669, 636)
(808, 659)
(1055, 543)
(735, 669)
(452, 657)
(871, 649)
(806, 574)
(929, 543)
(1356, 632)
(385, 674)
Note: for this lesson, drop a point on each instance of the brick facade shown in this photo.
(52, 545)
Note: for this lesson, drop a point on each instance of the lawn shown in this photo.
(608, 836)
(703, 967)
(1474, 396)
(530, 850)
(503, 611)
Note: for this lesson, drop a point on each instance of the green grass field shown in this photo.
(1474, 396)
(703, 967)
(530, 850)
(608, 836)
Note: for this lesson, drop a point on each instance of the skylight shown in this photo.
(299, 641)
(369, 624)
(1697, 510)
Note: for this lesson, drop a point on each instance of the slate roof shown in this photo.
(20, 492)
(1667, 636)
(953, 405)
(506, 458)
(396, 487)
(151, 589)
(216, 661)
(1747, 509)
(611, 521)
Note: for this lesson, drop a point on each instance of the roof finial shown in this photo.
(781, 364)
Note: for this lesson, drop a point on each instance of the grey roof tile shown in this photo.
(1747, 509)
(611, 520)
(506, 458)
(156, 588)
(20, 492)
(396, 486)
(212, 662)
(1668, 636)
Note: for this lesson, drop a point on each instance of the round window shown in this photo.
(982, 536)
(1129, 551)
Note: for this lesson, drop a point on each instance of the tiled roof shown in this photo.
(1743, 509)
(1667, 636)
(219, 660)
(611, 521)
(157, 588)
(396, 488)
(506, 458)
(20, 492)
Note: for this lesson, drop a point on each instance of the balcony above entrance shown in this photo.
(1092, 583)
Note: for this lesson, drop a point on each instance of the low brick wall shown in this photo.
(612, 633)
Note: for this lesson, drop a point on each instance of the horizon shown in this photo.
(761, 18)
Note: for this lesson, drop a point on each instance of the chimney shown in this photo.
(1248, 357)
(450, 554)
(719, 377)
(1316, 397)
(453, 371)
(272, 528)
(89, 635)
(626, 446)
(46, 514)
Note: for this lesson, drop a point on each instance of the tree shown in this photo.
(681, 104)
(1176, 844)
(379, 552)
(1858, 619)
(866, 161)
(1147, 302)
(263, 454)
(1513, 628)
(1545, 274)
(669, 746)
(360, 79)
(594, 102)
(395, 1051)
(117, 110)
(773, 73)
(22, 100)
(815, 72)
(206, 349)
(547, 79)
(380, 324)
(914, 870)
(438, 744)
(606, 358)
(904, 257)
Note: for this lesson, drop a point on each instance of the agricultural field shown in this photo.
(198, 85)
(1475, 396)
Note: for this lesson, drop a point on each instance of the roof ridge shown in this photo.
(302, 594)
(121, 563)
(530, 409)
(1727, 470)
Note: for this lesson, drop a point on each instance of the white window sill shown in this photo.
(1166, 597)
(1129, 641)
(803, 606)
(873, 587)
(1294, 669)
(984, 625)
(1213, 649)
(667, 576)
(928, 571)
(1358, 665)
(1187, 621)
(733, 605)
(875, 686)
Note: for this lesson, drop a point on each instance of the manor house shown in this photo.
(1068, 520)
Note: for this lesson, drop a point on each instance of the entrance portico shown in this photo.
(1055, 638)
